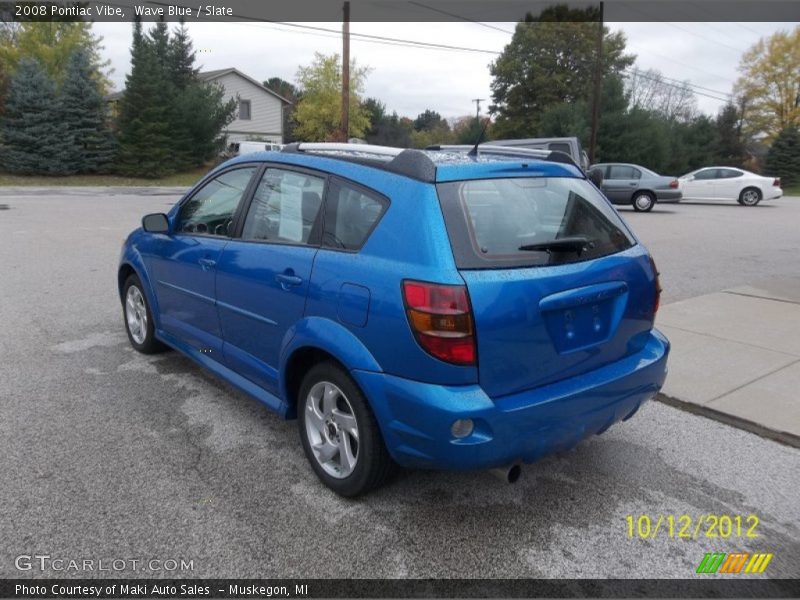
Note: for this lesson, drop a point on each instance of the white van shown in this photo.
(248, 147)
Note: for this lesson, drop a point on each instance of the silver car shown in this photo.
(628, 184)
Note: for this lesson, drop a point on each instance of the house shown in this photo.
(259, 113)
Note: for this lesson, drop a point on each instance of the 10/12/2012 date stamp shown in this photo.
(691, 527)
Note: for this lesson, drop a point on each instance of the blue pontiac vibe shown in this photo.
(431, 309)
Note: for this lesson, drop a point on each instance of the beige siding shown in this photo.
(265, 110)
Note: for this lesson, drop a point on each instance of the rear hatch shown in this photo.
(557, 283)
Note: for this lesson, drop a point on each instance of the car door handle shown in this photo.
(207, 263)
(288, 280)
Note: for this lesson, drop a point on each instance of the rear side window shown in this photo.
(351, 214)
(623, 172)
(527, 222)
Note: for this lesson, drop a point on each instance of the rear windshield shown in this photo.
(529, 221)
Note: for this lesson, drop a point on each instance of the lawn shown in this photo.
(793, 190)
(177, 180)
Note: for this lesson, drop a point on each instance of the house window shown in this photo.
(244, 110)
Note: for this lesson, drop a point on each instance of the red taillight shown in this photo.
(673, 184)
(656, 274)
(441, 319)
(777, 182)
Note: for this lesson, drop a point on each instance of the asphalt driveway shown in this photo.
(105, 453)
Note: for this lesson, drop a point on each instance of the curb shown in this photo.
(788, 439)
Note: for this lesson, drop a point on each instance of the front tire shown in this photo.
(750, 197)
(339, 433)
(138, 318)
(643, 201)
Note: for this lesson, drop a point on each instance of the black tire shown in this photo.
(374, 466)
(149, 344)
(643, 201)
(750, 196)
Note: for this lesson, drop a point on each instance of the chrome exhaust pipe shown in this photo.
(509, 474)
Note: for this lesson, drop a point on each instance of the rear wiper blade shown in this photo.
(568, 244)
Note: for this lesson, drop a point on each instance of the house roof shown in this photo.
(211, 75)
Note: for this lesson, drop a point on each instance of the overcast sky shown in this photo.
(411, 79)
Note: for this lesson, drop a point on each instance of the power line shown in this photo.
(455, 16)
(660, 80)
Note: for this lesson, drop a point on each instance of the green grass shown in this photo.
(793, 190)
(178, 180)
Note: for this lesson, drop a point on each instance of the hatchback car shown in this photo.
(637, 186)
(728, 183)
(426, 309)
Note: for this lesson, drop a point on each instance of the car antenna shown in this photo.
(474, 152)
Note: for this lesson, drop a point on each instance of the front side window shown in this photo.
(285, 208)
(210, 211)
(350, 215)
(529, 221)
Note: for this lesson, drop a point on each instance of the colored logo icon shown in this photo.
(735, 562)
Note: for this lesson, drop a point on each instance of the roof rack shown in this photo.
(512, 151)
(411, 163)
(416, 164)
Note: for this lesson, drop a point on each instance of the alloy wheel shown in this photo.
(332, 429)
(136, 314)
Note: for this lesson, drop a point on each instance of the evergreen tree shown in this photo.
(33, 130)
(90, 144)
(145, 132)
(729, 149)
(783, 157)
(181, 58)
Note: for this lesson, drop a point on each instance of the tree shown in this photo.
(52, 44)
(293, 94)
(550, 59)
(467, 130)
(783, 157)
(318, 115)
(169, 119)
(33, 125)
(390, 130)
(648, 90)
(144, 123)
(181, 57)
(729, 148)
(770, 83)
(89, 146)
(430, 120)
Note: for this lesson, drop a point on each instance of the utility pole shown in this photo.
(598, 81)
(477, 102)
(346, 72)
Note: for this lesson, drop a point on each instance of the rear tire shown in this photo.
(750, 196)
(339, 433)
(139, 318)
(643, 201)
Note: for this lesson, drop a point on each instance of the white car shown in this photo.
(728, 183)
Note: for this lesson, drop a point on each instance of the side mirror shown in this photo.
(596, 176)
(155, 223)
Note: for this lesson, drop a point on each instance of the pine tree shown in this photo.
(181, 58)
(33, 133)
(783, 157)
(91, 144)
(144, 121)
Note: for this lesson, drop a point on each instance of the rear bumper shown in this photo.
(669, 195)
(415, 417)
(773, 193)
